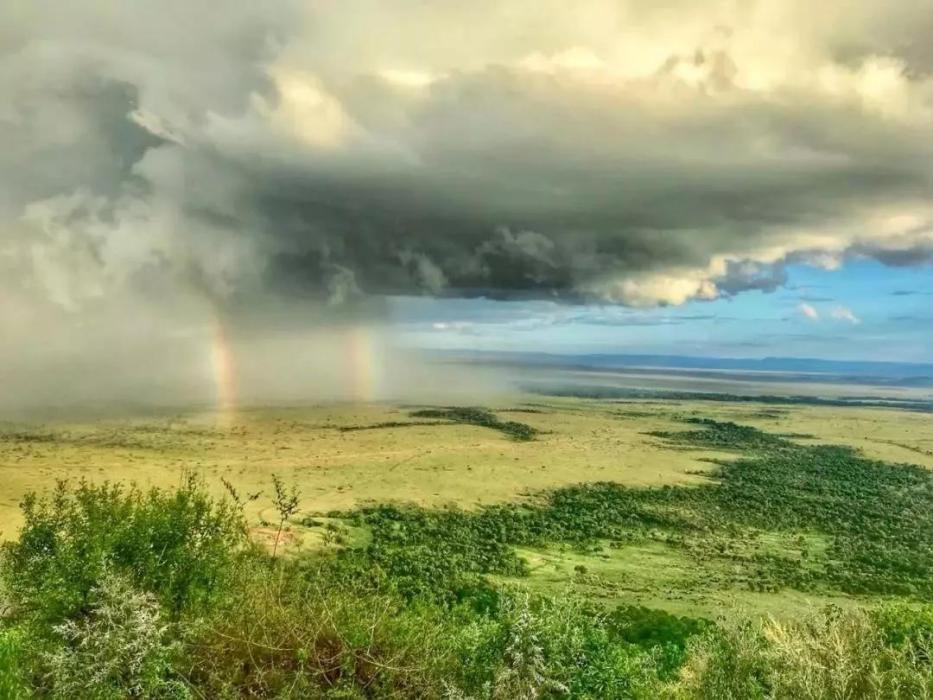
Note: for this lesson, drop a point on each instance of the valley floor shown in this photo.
(340, 457)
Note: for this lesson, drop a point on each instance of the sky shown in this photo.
(728, 177)
(861, 311)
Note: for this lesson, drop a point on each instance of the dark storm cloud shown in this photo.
(552, 194)
(332, 154)
(907, 254)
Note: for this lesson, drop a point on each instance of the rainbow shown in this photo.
(363, 364)
(223, 369)
(359, 358)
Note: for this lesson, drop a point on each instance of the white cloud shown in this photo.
(809, 311)
(843, 313)
(453, 326)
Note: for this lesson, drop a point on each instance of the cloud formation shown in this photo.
(838, 313)
(842, 313)
(809, 311)
(282, 166)
(630, 153)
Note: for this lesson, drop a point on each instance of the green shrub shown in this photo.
(179, 545)
(726, 663)
(12, 682)
(309, 633)
(525, 672)
(539, 646)
(902, 623)
(119, 649)
(282, 633)
(833, 654)
(666, 634)
(844, 654)
(521, 432)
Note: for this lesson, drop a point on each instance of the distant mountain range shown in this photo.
(901, 373)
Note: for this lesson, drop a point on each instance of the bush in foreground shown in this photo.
(121, 647)
(12, 683)
(179, 545)
(832, 654)
(116, 593)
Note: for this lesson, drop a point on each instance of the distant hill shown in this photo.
(857, 371)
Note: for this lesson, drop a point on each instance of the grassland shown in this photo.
(421, 460)
(541, 547)
(341, 457)
(425, 461)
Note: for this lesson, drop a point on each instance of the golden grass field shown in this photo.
(581, 440)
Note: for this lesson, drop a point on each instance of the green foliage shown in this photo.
(429, 552)
(903, 624)
(524, 673)
(305, 632)
(844, 654)
(726, 663)
(668, 635)
(877, 519)
(481, 417)
(626, 395)
(539, 646)
(432, 553)
(286, 633)
(726, 435)
(390, 424)
(286, 502)
(120, 648)
(832, 654)
(116, 592)
(179, 545)
(12, 682)
(879, 516)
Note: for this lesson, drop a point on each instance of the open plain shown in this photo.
(343, 457)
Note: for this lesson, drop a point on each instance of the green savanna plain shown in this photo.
(344, 456)
(655, 513)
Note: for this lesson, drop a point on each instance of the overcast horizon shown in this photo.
(183, 187)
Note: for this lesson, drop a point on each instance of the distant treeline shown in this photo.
(470, 415)
(604, 392)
